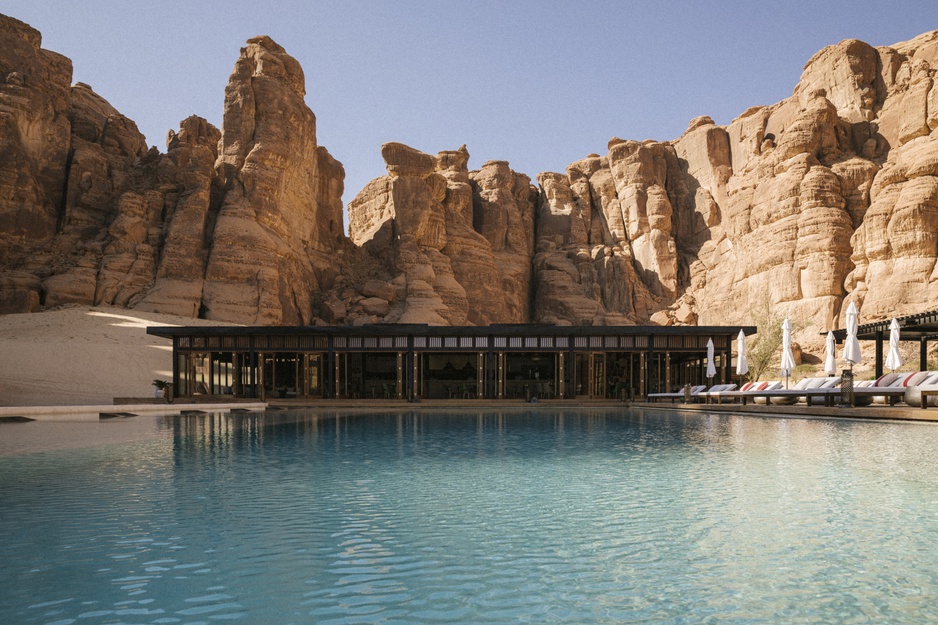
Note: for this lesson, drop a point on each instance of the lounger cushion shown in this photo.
(886, 379)
(914, 379)
(931, 379)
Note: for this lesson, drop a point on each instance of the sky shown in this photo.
(537, 84)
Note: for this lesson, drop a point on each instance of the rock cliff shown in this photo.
(242, 224)
(828, 196)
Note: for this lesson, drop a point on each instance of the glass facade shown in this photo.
(513, 362)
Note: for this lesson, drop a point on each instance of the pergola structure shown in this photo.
(400, 361)
(921, 327)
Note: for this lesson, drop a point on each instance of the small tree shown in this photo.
(765, 346)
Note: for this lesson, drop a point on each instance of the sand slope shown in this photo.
(83, 355)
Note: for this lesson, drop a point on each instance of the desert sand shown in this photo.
(83, 355)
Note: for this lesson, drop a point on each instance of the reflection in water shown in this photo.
(534, 514)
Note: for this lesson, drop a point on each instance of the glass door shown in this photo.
(598, 376)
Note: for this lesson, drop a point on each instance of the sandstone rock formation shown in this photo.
(828, 196)
(242, 225)
(280, 200)
(459, 242)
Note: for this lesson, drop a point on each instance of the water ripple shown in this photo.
(484, 518)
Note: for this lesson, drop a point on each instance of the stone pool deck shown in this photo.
(872, 412)
(114, 411)
(124, 410)
(875, 412)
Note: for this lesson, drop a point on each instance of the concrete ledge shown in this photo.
(874, 412)
(83, 413)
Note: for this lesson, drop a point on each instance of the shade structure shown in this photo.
(742, 364)
(893, 359)
(852, 353)
(830, 361)
(788, 358)
(711, 368)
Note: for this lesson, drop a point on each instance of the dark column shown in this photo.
(728, 361)
(252, 363)
(649, 357)
(331, 390)
(879, 353)
(410, 392)
(491, 368)
(571, 369)
(175, 379)
(923, 354)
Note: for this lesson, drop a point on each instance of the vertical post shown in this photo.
(491, 391)
(667, 372)
(642, 375)
(252, 364)
(728, 361)
(560, 375)
(879, 353)
(410, 366)
(571, 386)
(175, 380)
(331, 390)
(480, 375)
(923, 354)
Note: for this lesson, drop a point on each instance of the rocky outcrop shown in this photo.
(458, 241)
(828, 196)
(243, 225)
(273, 210)
(34, 148)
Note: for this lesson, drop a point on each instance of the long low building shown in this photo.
(389, 361)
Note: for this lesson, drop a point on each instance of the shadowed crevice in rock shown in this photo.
(827, 196)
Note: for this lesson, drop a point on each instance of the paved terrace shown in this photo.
(875, 412)
(126, 410)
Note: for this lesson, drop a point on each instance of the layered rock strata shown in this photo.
(459, 241)
(242, 224)
(826, 197)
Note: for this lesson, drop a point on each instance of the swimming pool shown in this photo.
(477, 516)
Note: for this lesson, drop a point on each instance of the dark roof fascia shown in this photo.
(911, 328)
(427, 330)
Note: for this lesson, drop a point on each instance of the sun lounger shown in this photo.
(889, 389)
(678, 395)
(716, 391)
(749, 391)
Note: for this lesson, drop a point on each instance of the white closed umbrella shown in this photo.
(711, 368)
(893, 359)
(788, 358)
(742, 364)
(852, 353)
(830, 362)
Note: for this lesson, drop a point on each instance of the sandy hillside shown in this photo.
(83, 355)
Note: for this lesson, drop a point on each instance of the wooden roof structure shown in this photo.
(921, 327)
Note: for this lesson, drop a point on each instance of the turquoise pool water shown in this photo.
(538, 516)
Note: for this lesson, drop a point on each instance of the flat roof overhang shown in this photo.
(390, 329)
(920, 327)
(911, 328)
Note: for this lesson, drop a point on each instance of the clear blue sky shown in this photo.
(539, 84)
